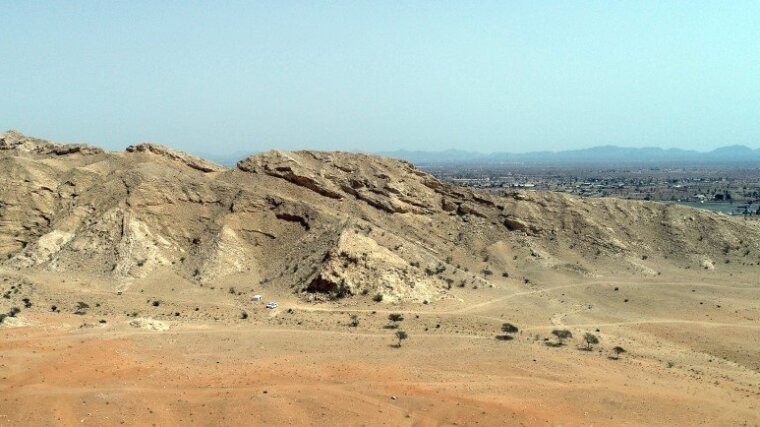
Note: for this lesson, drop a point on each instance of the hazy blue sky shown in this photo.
(382, 75)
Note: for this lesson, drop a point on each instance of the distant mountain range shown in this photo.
(608, 154)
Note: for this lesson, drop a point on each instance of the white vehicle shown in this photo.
(271, 305)
(257, 298)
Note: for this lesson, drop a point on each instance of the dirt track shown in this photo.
(135, 274)
(235, 376)
(58, 373)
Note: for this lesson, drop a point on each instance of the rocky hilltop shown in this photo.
(323, 224)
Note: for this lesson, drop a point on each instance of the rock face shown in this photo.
(15, 142)
(191, 161)
(281, 165)
(359, 265)
(389, 185)
(319, 224)
(149, 324)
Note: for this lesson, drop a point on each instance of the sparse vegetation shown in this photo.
(394, 318)
(508, 329)
(294, 228)
(401, 335)
(562, 335)
(440, 268)
(617, 351)
(81, 308)
(590, 340)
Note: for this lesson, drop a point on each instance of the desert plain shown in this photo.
(131, 284)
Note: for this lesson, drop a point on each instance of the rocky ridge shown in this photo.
(321, 224)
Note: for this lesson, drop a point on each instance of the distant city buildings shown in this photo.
(728, 190)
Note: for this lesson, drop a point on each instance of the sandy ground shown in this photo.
(303, 364)
(129, 280)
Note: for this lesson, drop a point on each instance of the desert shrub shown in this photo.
(618, 351)
(401, 335)
(394, 318)
(81, 308)
(440, 268)
(509, 328)
(341, 291)
(562, 335)
(377, 298)
(354, 321)
(590, 340)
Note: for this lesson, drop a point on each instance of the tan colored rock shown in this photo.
(328, 222)
(19, 144)
(149, 324)
(188, 160)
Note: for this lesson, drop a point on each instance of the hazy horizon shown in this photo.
(361, 76)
